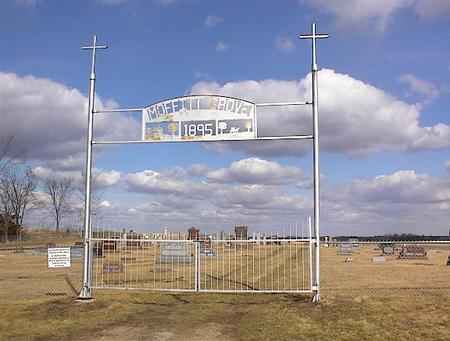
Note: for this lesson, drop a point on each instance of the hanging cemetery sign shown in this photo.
(205, 117)
(59, 257)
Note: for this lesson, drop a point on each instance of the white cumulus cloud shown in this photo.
(53, 118)
(424, 89)
(101, 178)
(356, 118)
(379, 12)
(256, 171)
(213, 20)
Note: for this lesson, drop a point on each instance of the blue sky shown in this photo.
(384, 103)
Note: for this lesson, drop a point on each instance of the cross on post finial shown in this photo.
(313, 36)
(94, 48)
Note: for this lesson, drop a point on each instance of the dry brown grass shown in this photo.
(42, 237)
(397, 300)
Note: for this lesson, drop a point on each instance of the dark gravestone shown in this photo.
(413, 252)
(111, 245)
(387, 249)
(76, 252)
(112, 267)
(98, 250)
(128, 259)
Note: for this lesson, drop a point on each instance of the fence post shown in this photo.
(197, 264)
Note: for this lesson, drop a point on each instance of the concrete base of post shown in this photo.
(316, 298)
(85, 294)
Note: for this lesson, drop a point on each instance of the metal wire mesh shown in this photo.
(263, 263)
(272, 266)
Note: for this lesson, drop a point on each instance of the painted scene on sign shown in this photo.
(200, 118)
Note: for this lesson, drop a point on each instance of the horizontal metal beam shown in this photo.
(268, 104)
(143, 240)
(190, 241)
(140, 289)
(281, 104)
(106, 111)
(298, 291)
(94, 47)
(262, 138)
(262, 291)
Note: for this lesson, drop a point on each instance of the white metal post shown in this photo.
(86, 292)
(198, 277)
(314, 71)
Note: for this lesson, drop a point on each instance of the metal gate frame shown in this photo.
(86, 292)
(308, 241)
(281, 264)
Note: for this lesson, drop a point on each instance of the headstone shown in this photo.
(354, 242)
(378, 259)
(241, 232)
(345, 249)
(128, 259)
(112, 267)
(110, 245)
(98, 250)
(206, 250)
(173, 252)
(193, 233)
(387, 249)
(76, 252)
(413, 252)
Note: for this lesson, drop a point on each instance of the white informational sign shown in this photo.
(206, 117)
(59, 257)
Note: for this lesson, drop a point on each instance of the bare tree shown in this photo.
(60, 193)
(5, 208)
(6, 211)
(17, 185)
(5, 147)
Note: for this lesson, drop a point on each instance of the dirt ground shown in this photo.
(361, 300)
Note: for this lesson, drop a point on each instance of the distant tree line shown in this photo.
(393, 237)
(18, 193)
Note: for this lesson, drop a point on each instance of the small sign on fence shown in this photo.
(58, 257)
